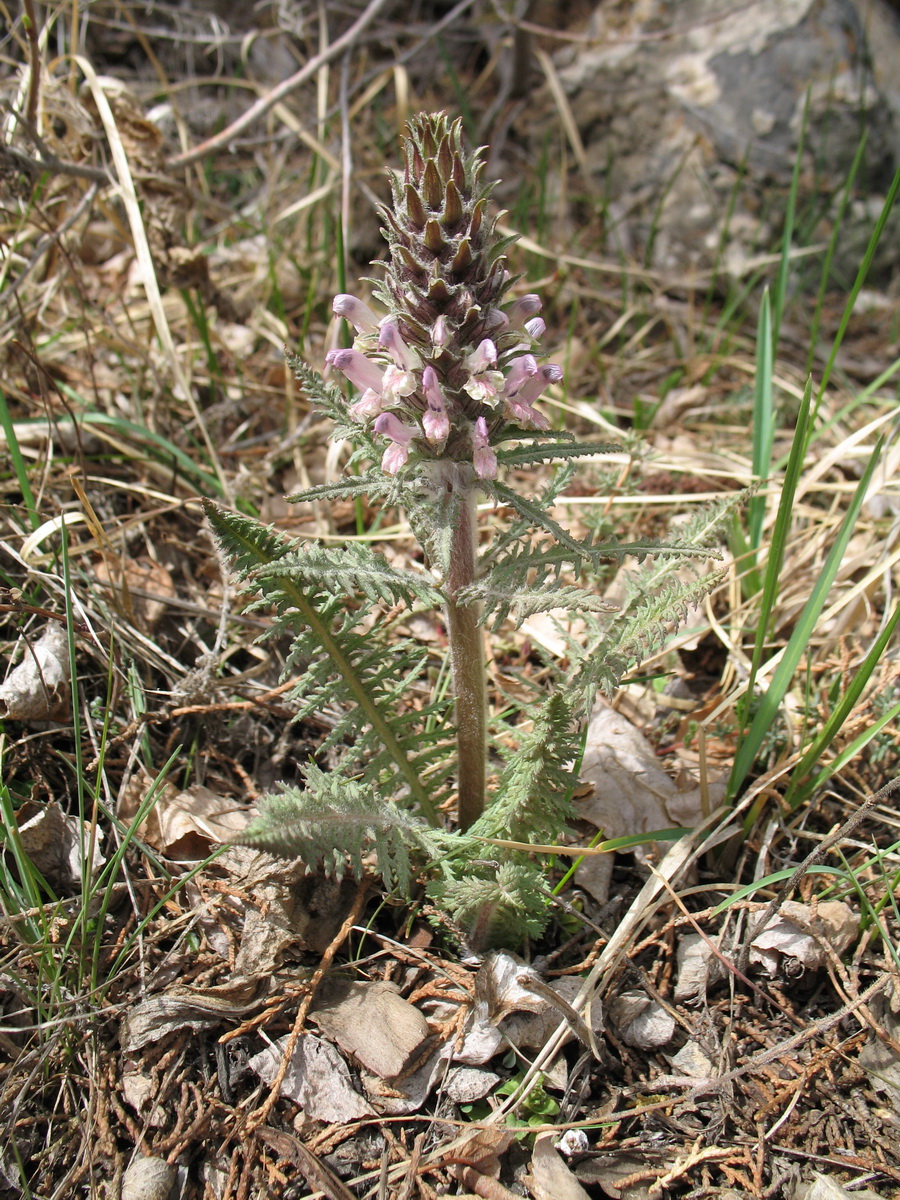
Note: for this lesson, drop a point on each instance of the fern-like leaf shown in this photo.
(496, 906)
(337, 822)
(543, 452)
(523, 602)
(348, 570)
(636, 634)
(532, 800)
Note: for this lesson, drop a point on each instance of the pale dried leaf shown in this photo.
(877, 1058)
(400, 1097)
(184, 1008)
(551, 1178)
(692, 1060)
(631, 792)
(149, 1179)
(186, 825)
(465, 1085)
(38, 688)
(824, 1187)
(55, 843)
(698, 968)
(642, 1021)
(317, 1079)
(796, 933)
(607, 1169)
(141, 586)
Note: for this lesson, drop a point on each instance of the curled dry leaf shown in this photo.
(38, 688)
(792, 942)
(149, 1179)
(185, 1008)
(631, 793)
(513, 1003)
(184, 826)
(56, 843)
(825, 1187)
(698, 968)
(642, 1021)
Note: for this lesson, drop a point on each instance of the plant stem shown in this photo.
(467, 660)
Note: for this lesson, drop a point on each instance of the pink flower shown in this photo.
(358, 369)
(533, 387)
(484, 384)
(440, 335)
(520, 371)
(367, 406)
(356, 312)
(400, 435)
(519, 404)
(404, 356)
(482, 358)
(484, 459)
(536, 328)
(523, 308)
(435, 421)
(399, 380)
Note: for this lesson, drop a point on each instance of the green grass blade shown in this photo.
(781, 529)
(800, 638)
(18, 463)
(763, 419)
(798, 789)
(846, 755)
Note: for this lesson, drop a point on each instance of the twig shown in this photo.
(267, 102)
(261, 1115)
(823, 847)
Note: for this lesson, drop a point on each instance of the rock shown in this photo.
(673, 100)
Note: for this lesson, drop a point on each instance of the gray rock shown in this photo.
(676, 101)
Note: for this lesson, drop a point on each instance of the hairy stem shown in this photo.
(467, 660)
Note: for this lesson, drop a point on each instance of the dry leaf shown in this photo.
(55, 843)
(551, 1178)
(184, 1008)
(141, 587)
(791, 943)
(465, 1085)
(642, 1021)
(184, 826)
(824, 1187)
(698, 968)
(632, 793)
(38, 688)
(317, 1079)
(373, 1023)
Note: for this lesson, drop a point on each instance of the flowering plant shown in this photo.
(447, 380)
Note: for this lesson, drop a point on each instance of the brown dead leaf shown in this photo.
(792, 940)
(141, 587)
(631, 792)
(373, 1023)
(184, 826)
